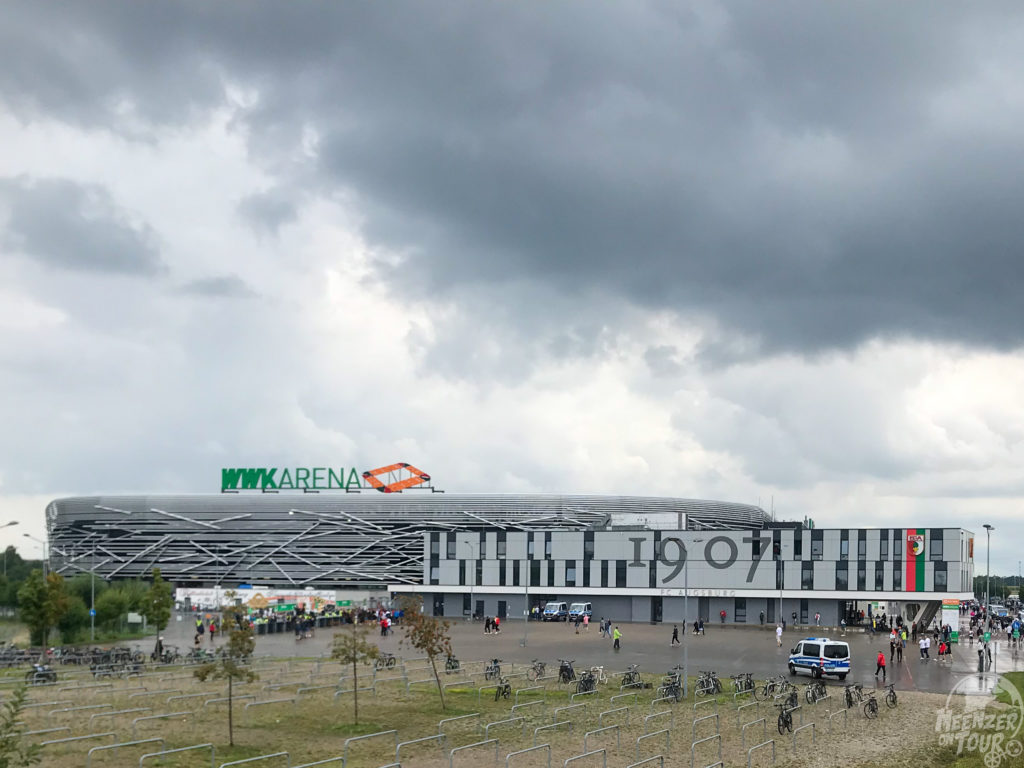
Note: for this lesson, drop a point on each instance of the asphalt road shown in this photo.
(727, 650)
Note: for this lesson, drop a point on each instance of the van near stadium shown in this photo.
(632, 558)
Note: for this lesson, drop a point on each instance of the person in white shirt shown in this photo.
(778, 635)
(923, 643)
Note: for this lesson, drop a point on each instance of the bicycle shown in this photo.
(785, 721)
(385, 661)
(742, 682)
(853, 694)
(672, 686)
(451, 665)
(566, 674)
(599, 675)
(771, 687)
(890, 696)
(631, 677)
(871, 706)
(815, 691)
(586, 683)
(503, 690)
(493, 669)
(536, 670)
(708, 684)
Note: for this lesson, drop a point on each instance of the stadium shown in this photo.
(635, 558)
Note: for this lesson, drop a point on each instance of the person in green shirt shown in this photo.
(616, 636)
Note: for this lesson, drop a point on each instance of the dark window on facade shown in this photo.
(435, 545)
(778, 575)
(844, 549)
(807, 575)
(940, 576)
(502, 547)
(551, 573)
(740, 609)
(803, 611)
(817, 544)
(897, 575)
(862, 575)
(451, 549)
(897, 545)
(570, 573)
(535, 573)
(776, 545)
(547, 545)
(516, 565)
(798, 545)
(883, 545)
(501, 572)
(879, 576)
(620, 573)
(935, 545)
(585, 566)
(479, 572)
(529, 546)
(862, 544)
(842, 576)
(435, 574)
(588, 545)
(755, 544)
(467, 604)
(604, 573)
(462, 573)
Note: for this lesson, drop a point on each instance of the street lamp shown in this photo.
(686, 611)
(472, 605)
(42, 543)
(7, 525)
(988, 570)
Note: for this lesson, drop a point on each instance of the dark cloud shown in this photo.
(222, 286)
(75, 226)
(269, 211)
(788, 171)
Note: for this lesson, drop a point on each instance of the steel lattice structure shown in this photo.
(348, 540)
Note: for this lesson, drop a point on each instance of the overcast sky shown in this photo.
(751, 251)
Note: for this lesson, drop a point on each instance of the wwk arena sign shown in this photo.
(394, 478)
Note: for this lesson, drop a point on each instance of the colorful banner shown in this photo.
(951, 616)
(914, 581)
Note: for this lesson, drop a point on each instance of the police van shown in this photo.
(820, 656)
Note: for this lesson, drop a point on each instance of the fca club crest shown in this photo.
(915, 545)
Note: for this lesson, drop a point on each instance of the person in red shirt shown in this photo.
(880, 665)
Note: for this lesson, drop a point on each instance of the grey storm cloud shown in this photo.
(220, 286)
(75, 226)
(790, 171)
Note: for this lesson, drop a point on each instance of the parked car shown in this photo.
(820, 656)
(579, 610)
(556, 612)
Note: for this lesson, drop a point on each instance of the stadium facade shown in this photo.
(633, 558)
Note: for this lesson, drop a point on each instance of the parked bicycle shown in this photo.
(772, 687)
(785, 721)
(870, 706)
(451, 665)
(708, 684)
(815, 691)
(742, 682)
(853, 694)
(566, 673)
(631, 677)
(586, 683)
(599, 675)
(890, 696)
(672, 685)
(536, 670)
(385, 661)
(41, 674)
(503, 690)
(493, 669)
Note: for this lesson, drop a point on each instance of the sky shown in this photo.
(758, 252)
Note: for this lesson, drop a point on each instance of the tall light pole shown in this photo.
(92, 596)
(7, 525)
(472, 606)
(988, 570)
(686, 612)
(41, 542)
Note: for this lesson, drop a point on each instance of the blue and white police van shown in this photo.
(820, 656)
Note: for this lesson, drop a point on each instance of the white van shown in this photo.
(555, 611)
(579, 610)
(820, 656)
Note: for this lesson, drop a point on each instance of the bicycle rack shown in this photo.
(799, 708)
(222, 699)
(158, 717)
(451, 755)
(550, 727)
(740, 709)
(213, 752)
(524, 690)
(88, 756)
(510, 755)
(571, 707)
(457, 719)
(702, 703)
(119, 712)
(372, 689)
(663, 698)
(623, 696)
(601, 752)
(521, 720)
(646, 761)
(743, 730)
(802, 728)
(80, 738)
(618, 736)
(482, 688)
(669, 712)
(458, 683)
(718, 727)
(344, 750)
(668, 740)
(525, 704)
(837, 714)
(572, 697)
(600, 717)
(693, 748)
(750, 752)
(288, 759)
(439, 737)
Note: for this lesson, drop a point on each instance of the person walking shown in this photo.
(213, 630)
(616, 636)
(880, 665)
(899, 653)
(778, 635)
(817, 619)
(586, 622)
(675, 636)
(922, 644)
(761, 616)
(892, 645)
(497, 625)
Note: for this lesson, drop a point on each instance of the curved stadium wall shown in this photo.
(338, 540)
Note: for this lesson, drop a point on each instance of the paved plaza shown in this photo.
(726, 649)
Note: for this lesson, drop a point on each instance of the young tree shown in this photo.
(159, 602)
(14, 752)
(231, 665)
(43, 603)
(352, 647)
(426, 634)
